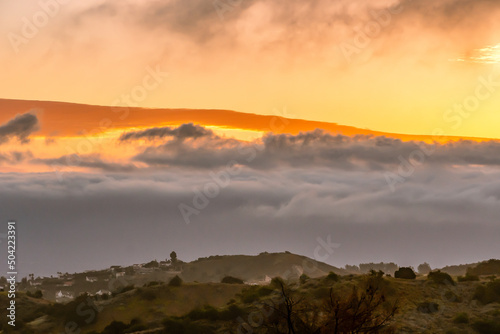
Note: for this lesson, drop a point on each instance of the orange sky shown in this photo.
(420, 61)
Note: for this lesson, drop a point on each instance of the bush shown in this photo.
(254, 293)
(489, 293)
(124, 289)
(490, 267)
(37, 294)
(303, 278)
(333, 277)
(116, 327)
(468, 278)
(405, 273)
(176, 281)
(428, 307)
(461, 318)
(440, 277)
(487, 326)
(147, 294)
(231, 280)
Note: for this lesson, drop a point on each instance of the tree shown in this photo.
(173, 257)
(424, 268)
(363, 310)
(176, 281)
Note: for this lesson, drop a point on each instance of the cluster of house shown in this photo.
(64, 295)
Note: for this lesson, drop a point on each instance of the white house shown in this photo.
(91, 279)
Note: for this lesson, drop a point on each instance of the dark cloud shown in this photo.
(85, 161)
(274, 210)
(310, 149)
(20, 127)
(15, 157)
(182, 132)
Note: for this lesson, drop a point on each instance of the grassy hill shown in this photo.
(255, 269)
(423, 307)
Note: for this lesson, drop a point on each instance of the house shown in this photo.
(102, 292)
(91, 279)
(120, 274)
(64, 296)
(2, 288)
(68, 283)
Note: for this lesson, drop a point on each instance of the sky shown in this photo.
(129, 129)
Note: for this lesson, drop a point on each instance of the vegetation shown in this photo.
(405, 273)
(424, 268)
(37, 294)
(490, 267)
(468, 278)
(176, 281)
(440, 277)
(152, 264)
(489, 293)
(231, 280)
(461, 318)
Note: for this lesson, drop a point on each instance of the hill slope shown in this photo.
(255, 269)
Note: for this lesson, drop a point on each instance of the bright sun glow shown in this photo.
(487, 55)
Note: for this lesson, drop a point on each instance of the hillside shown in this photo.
(423, 306)
(255, 269)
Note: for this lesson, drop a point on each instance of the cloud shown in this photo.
(308, 149)
(20, 127)
(182, 132)
(274, 210)
(92, 161)
(15, 157)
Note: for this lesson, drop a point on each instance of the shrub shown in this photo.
(176, 281)
(254, 293)
(231, 280)
(124, 289)
(452, 297)
(116, 327)
(303, 278)
(147, 294)
(428, 307)
(461, 318)
(405, 273)
(333, 277)
(490, 267)
(37, 294)
(440, 277)
(487, 326)
(489, 293)
(468, 278)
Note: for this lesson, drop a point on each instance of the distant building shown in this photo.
(64, 296)
(91, 279)
(120, 274)
(102, 292)
(68, 283)
(2, 288)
